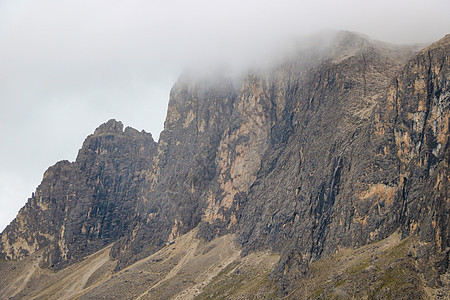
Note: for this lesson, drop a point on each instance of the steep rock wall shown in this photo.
(330, 148)
(81, 207)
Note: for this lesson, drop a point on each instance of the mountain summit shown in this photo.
(322, 176)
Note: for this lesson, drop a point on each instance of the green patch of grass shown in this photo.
(399, 251)
(358, 268)
(340, 282)
(230, 284)
(316, 294)
(393, 281)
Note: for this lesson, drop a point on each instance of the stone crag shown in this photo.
(339, 146)
(83, 206)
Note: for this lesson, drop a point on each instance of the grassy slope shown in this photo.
(192, 269)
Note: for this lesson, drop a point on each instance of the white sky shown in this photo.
(68, 66)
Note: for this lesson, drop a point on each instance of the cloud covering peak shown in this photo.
(68, 66)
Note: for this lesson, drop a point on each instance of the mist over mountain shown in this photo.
(69, 66)
(321, 173)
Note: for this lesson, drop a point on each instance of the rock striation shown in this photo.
(340, 145)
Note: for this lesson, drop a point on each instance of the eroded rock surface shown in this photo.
(338, 146)
(83, 206)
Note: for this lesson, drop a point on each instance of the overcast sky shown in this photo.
(68, 66)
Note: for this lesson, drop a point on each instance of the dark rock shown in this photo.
(81, 207)
(338, 146)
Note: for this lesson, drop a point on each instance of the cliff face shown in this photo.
(416, 117)
(359, 164)
(338, 146)
(81, 207)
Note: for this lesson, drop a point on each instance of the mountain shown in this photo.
(83, 206)
(322, 175)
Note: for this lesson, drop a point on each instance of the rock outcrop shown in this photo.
(83, 206)
(338, 146)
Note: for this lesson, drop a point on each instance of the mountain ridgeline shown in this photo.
(340, 146)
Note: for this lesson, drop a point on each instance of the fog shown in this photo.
(68, 66)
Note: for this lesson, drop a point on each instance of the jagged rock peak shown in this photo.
(112, 126)
(56, 168)
(116, 127)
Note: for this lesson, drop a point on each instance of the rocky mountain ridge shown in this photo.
(328, 150)
(83, 206)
